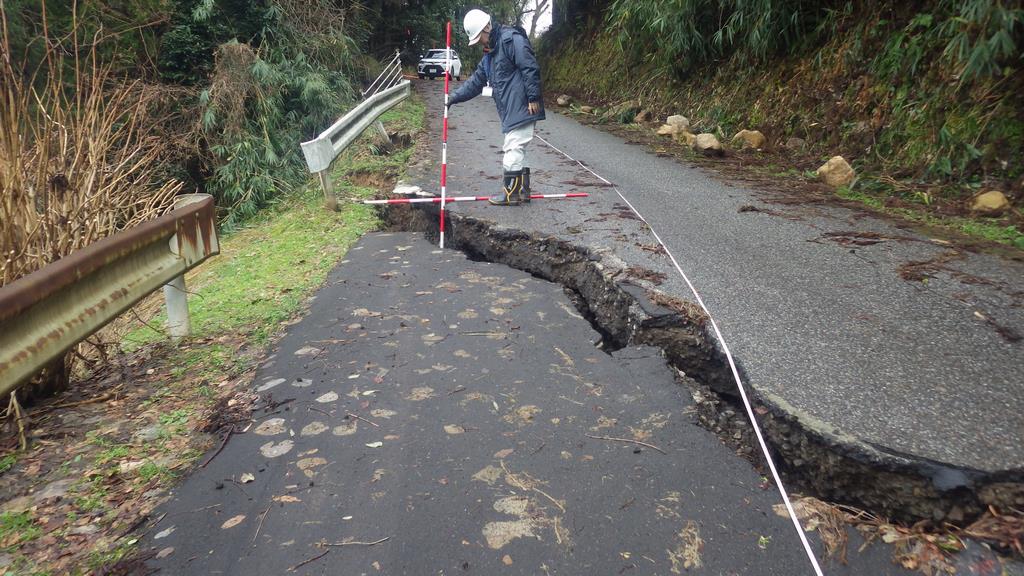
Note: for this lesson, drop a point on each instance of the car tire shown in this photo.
(458, 78)
(421, 76)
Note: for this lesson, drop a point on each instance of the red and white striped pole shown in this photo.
(435, 200)
(444, 132)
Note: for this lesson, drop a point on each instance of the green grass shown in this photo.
(175, 419)
(99, 560)
(267, 269)
(7, 462)
(113, 453)
(92, 495)
(18, 527)
(975, 228)
(150, 470)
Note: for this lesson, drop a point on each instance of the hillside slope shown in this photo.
(924, 99)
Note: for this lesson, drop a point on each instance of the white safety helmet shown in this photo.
(474, 23)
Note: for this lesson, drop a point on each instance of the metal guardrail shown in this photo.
(390, 89)
(47, 312)
(388, 77)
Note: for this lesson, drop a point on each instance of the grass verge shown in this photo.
(103, 454)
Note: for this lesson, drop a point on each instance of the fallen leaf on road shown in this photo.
(454, 429)
(431, 339)
(271, 450)
(270, 427)
(232, 522)
(500, 454)
(308, 351)
(374, 444)
(346, 429)
(329, 397)
(506, 560)
(489, 475)
(522, 415)
(165, 553)
(309, 465)
(370, 392)
(286, 499)
(420, 393)
(246, 478)
(270, 384)
(314, 429)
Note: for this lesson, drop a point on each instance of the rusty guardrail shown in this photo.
(44, 314)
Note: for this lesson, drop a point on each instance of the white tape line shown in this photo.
(728, 355)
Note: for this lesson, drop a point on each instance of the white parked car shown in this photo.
(432, 65)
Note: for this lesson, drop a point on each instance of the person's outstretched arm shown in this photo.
(472, 87)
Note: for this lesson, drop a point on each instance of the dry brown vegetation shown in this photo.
(80, 157)
(77, 159)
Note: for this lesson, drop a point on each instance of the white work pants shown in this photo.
(515, 147)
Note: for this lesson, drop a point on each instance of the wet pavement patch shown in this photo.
(510, 444)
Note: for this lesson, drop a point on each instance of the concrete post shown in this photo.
(179, 324)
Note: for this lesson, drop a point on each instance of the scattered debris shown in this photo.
(310, 560)
(627, 440)
(354, 543)
(641, 273)
(357, 417)
(687, 554)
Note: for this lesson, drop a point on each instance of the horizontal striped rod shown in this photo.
(437, 200)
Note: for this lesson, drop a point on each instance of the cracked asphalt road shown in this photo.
(826, 327)
(435, 415)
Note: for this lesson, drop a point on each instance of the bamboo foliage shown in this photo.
(78, 158)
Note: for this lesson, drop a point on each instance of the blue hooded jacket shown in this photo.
(514, 76)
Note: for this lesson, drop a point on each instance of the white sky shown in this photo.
(545, 19)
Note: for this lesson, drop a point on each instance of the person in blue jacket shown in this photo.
(510, 69)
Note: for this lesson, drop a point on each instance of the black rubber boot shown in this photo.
(524, 194)
(510, 193)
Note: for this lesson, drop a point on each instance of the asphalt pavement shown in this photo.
(437, 415)
(825, 324)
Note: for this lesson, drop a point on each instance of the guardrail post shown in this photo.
(383, 132)
(330, 200)
(179, 324)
